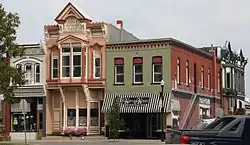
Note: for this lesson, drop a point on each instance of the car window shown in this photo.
(246, 130)
(234, 128)
(219, 124)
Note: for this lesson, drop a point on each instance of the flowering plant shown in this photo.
(80, 131)
(69, 131)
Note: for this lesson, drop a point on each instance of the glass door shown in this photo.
(152, 126)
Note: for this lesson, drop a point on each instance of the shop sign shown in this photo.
(135, 101)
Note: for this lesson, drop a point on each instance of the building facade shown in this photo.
(134, 71)
(31, 95)
(196, 82)
(75, 59)
(233, 75)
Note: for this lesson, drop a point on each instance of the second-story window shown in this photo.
(202, 76)
(65, 61)
(187, 73)
(209, 79)
(37, 73)
(156, 69)
(54, 67)
(137, 70)
(218, 81)
(119, 70)
(28, 73)
(97, 67)
(228, 79)
(178, 73)
(77, 55)
(19, 67)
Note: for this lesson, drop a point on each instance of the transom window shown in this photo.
(119, 70)
(156, 69)
(137, 70)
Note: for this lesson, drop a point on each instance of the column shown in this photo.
(88, 115)
(64, 115)
(77, 108)
(44, 117)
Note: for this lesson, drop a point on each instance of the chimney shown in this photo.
(119, 24)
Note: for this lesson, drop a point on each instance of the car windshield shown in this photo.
(219, 124)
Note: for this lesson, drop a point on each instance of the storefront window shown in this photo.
(71, 117)
(18, 122)
(94, 114)
(83, 117)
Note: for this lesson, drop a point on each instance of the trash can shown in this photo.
(168, 135)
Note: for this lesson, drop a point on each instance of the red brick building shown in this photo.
(196, 83)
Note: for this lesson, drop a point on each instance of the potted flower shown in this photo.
(69, 132)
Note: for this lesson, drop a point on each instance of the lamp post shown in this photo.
(162, 111)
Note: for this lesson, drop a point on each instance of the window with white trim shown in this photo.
(66, 61)
(37, 73)
(178, 71)
(77, 59)
(28, 73)
(202, 76)
(119, 70)
(137, 70)
(187, 72)
(71, 117)
(19, 67)
(156, 69)
(209, 79)
(97, 67)
(55, 67)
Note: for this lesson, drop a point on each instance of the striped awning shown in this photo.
(138, 102)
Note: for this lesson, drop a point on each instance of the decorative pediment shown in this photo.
(71, 38)
(71, 10)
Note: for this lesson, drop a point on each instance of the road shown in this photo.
(96, 142)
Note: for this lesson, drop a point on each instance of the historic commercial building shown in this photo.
(31, 95)
(233, 77)
(75, 62)
(134, 72)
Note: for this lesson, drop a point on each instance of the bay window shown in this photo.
(77, 54)
(119, 70)
(71, 117)
(156, 69)
(54, 67)
(65, 61)
(137, 70)
(37, 73)
(97, 67)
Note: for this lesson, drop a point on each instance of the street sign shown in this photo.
(24, 105)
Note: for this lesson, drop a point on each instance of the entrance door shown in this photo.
(152, 126)
(39, 123)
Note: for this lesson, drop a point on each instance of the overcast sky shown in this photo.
(196, 22)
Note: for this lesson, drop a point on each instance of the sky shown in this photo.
(196, 22)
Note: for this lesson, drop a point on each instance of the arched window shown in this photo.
(37, 73)
(19, 67)
(28, 73)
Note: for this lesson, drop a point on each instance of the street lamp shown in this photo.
(162, 111)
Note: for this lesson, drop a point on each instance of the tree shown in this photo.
(240, 111)
(10, 77)
(114, 121)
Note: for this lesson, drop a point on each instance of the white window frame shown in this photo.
(140, 73)
(154, 73)
(52, 68)
(31, 78)
(73, 66)
(202, 77)
(119, 74)
(178, 71)
(208, 79)
(67, 117)
(94, 67)
(70, 60)
(187, 73)
(35, 73)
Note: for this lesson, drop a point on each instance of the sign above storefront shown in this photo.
(135, 101)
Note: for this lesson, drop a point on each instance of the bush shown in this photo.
(75, 131)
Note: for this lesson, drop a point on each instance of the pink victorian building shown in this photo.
(75, 73)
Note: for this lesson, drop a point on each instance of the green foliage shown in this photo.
(240, 111)
(10, 77)
(113, 117)
(229, 92)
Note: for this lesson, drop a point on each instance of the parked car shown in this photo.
(228, 130)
